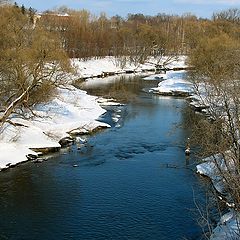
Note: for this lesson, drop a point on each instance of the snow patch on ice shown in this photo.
(174, 82)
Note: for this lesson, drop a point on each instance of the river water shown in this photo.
(133, 181)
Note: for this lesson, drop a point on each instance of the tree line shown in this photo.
(85, 35)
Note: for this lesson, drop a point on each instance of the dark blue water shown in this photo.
(133, 181)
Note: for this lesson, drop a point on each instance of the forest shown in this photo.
(84, 35)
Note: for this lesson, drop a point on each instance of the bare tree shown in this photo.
(217, 82)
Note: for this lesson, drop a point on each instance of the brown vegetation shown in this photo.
(217, 63)
(32, 62)
(85, 35)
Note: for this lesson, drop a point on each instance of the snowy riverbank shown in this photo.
(110, 65)
(173, 84)
(228, 226)
(71, 111)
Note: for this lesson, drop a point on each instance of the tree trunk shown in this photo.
(11, 107)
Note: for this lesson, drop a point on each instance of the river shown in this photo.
(133, 181)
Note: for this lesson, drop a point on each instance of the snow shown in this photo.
(97, 67)
(210, 100)
(179, 63)
(160, 76)
(210, 168)
(71, 109)
(227, 228)
(94, 67)
(9, 151)
(200, 98)
(175, 83)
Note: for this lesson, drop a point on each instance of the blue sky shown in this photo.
(201, 8)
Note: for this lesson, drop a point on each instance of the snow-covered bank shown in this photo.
(174, 84)
(228, 227)
(212, 167)
(99, 67)
(218, 103)
(71, 111)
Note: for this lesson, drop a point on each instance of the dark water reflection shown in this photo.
(123, 187)
(123, 88)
